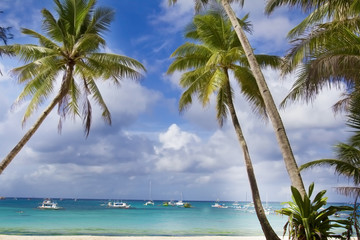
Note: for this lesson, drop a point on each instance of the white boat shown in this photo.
(48, 204)
(180, 202)
(218, 205)
(150, 202)
(170, 203)
(117, 204)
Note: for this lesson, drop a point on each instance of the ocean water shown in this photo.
(93, 217)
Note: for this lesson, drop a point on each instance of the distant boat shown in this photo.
(187, 205)
(48, 204)
(149, 202)
(218, 205)
(170, 203)
(180, 202)
(117, 204)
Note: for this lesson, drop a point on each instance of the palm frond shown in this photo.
(310, 21)
(43, 40)
(89, 43)
(101, 20)
(349, 191)
(188, 56)
(342, 167)
(30, 52)
(115, 66)
(96, 95)
(39, 89)
(250, 90)
(305, 5)
(52, 27)
(221, 106)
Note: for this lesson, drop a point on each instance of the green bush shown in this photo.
(310, 220)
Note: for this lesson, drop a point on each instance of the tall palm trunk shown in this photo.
(64, 88)
(283, 141)
(265, 225)
(6, 161)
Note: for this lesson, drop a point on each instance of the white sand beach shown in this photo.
(15, 237)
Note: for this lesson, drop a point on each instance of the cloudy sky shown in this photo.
(149, 140)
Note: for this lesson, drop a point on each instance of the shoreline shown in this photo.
(89, 237)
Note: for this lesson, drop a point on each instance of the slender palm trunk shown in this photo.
(265, 225)
(6, 161)
(63, 91)
(283, 141)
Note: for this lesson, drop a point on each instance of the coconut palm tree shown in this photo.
(206, 67)
(70, 50)
(272, 111)
(5, 33)
(325, 49)
(347, 161)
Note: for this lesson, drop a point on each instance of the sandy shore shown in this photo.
(13, 237)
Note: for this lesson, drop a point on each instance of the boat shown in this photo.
(149, 202)
(218, 205)
(187, 205)
(170, 203)
(180, 203)
(117, 204)
(48, 204)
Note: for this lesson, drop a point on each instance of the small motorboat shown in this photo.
(117, 204)
(149, 203)
(48, 204)
(218, 205)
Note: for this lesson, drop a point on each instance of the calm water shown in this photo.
(92, 217)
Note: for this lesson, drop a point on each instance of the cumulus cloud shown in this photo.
(149, 141)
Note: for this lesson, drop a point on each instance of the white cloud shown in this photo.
(176, 16)
(175, 139)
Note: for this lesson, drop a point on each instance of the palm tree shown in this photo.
(347, 161)
(5, 33)
(271, 108)
(323, 54)
(71, 50)
(207, 65)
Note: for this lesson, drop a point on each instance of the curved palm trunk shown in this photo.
(265, 225)
(283, 141)
(64, 89)
(5, 162)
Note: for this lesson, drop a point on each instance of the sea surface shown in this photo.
(92, 217)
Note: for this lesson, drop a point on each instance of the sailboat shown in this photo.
(180, 202)
(149, 202)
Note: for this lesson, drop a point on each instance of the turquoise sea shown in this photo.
(93, 217)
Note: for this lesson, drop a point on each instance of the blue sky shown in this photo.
(149, 140)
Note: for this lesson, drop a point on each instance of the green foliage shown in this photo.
(71, 48)
(309, 219)
(187, 205)
(207, 62)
